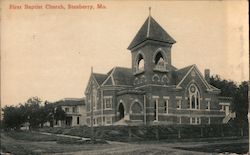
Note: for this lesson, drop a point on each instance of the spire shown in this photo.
(151, 30)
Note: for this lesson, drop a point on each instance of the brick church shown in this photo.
(153, 91)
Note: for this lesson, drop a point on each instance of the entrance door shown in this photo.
(121, 111)
(68, 121)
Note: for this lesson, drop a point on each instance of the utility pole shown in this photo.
(91, 105)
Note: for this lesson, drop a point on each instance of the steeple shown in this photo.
(151, 30)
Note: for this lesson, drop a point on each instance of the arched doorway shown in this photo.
(121, 111)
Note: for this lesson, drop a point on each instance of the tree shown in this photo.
(33, 111)
(54, 112)
(239, 93)
(228, 88)
(241, 104)
(60, 113)
(12, 117)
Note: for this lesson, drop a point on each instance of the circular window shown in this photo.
(192, 89)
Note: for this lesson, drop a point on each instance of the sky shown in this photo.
(49, 52)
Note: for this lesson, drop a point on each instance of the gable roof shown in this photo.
(184, 72)
(119, 76)
(151, 30)
(100, 77)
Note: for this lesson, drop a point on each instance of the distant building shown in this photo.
(153, 91)
(75, 112)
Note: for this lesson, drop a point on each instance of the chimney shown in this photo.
(207, 75)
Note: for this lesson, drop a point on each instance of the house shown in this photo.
(153, 91)
(75, 112)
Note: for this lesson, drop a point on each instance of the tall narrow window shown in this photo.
(78, 120)
(155, 108)
(166, 106)
(108, 102)
(178, 106)
(194, 97)
(139, 63)
(156, 98)
(208, 105)
(160, 62)
(193, 102)
(94, 99)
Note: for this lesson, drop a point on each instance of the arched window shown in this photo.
(140, 63)
(193, 97)
(160, 62)
(136, 108)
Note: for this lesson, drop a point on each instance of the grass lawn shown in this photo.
(24, 143)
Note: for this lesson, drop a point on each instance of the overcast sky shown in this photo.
(49, 53)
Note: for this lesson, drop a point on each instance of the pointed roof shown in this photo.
(119, 76)
(181, 73)
(151, 30)
(100, 78)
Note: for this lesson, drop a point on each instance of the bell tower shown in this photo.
(151, 53)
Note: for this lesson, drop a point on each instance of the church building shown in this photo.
(153, 91)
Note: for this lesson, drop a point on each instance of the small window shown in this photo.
(74, 109)
(66, 109)
(195, 120)
(108, 120)
(198, 120)
(108, 102)
(208, 105)
(178, 104)
(166, 106)
(78, 120)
